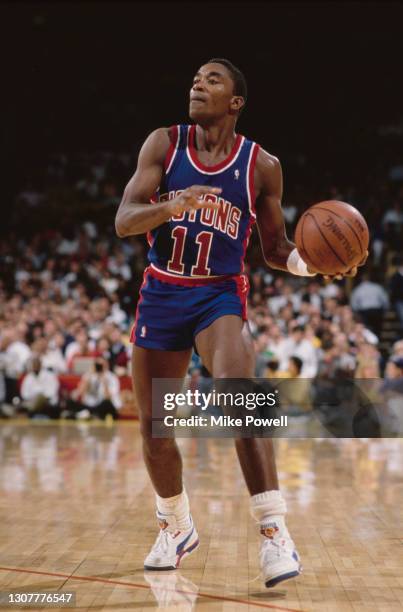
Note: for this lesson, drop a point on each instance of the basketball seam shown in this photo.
(325, 239)
(345, 221)
(308, 254)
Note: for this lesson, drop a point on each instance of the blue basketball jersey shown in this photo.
(205, 243)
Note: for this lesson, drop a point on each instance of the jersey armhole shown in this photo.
(173, 147)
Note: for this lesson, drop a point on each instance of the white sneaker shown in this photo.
(171, 545)
(279, 559)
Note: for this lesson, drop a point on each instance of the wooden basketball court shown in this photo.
(77, 514)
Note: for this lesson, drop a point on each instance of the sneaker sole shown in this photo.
(185, 553)
(273, 581)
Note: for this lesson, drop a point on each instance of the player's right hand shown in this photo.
(191, 199)
(349, 274)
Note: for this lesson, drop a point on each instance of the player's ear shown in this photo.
(237, 102)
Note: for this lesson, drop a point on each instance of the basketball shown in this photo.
(332, 237)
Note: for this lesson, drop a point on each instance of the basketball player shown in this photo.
(208, 186)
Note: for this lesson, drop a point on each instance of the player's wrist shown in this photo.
(172, 207)
(297, 266)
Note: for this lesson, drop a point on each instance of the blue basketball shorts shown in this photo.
(170, 315)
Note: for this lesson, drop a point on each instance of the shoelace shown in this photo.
(161, 543)
(264, 554)
(268, 549)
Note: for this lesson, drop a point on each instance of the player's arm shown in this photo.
(278, 251)
(276, 247)
(135, 214)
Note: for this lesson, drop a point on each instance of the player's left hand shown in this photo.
(349, 274)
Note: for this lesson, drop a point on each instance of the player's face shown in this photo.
(212, 94)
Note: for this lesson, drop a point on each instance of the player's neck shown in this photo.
(216, 139)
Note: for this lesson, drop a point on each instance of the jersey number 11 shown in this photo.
(203, 239)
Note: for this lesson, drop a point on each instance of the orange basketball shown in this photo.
(332, 237)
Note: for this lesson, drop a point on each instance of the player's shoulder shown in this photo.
(158, 142)
(160, 137)
(268, 174)
(165, 134)
(266, 161)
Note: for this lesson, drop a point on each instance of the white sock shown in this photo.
(269, 509)
(178, 506)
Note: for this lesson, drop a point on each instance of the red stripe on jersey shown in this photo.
(187, 281)
(242, 285)
(251, 176)
(252, 196)
(221, 165)
(150, 238)
(133, 332)
(246, 241)
(174, 137)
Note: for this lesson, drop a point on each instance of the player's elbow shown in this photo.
(271, 259)
(120, 229)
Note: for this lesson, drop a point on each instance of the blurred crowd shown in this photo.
(69, 289)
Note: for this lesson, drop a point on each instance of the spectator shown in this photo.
(312, 295)
(295, 366)
(368, 361)
(52, 358)
(327, 357)
(393, 216)
(345, 360)
(275, 346)
(297, 345)
(361, 334)
(272, 368)
(80, 348)
(397, 349)
(68, 244)
(287, 297)
(392, 391)
(260, 343)
(97, 395)
(295, 391)
(370, 300)
(16, 355)
(40, 391)
(396, 288)
(119, 356)
(394, 374)
(119, 266)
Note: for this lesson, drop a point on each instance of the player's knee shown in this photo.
(155, 448)
(241, 366)
(152, 445)
(145, 427)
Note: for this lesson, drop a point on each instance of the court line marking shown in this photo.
(246, 602)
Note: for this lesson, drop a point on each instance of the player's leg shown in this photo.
(177, 536)
(161, 455)
(226, 349)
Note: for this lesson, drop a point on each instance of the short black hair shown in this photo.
(240, 87)
(297, 362)
(273, 364)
